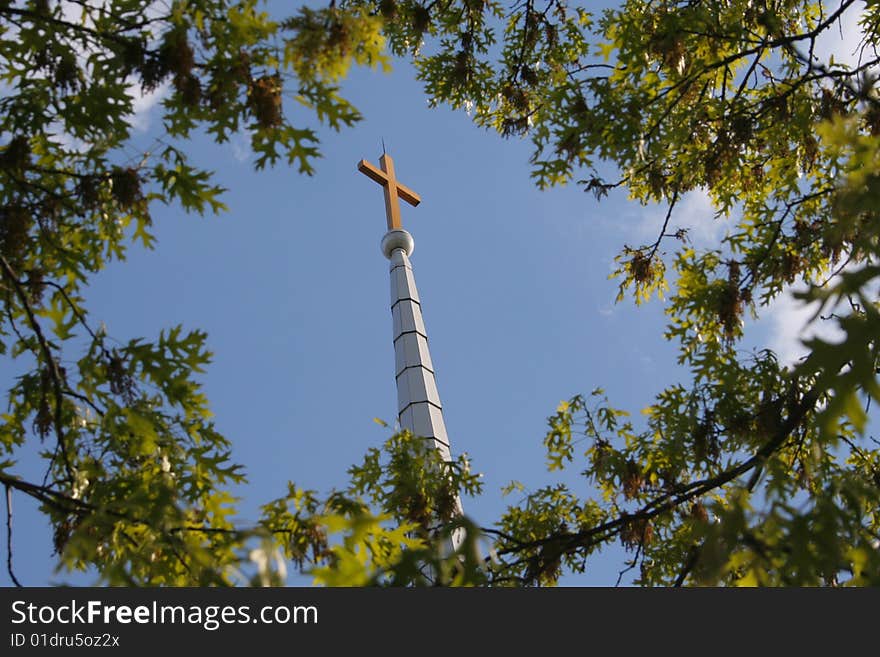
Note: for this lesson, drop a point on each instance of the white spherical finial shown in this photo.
(395, 239)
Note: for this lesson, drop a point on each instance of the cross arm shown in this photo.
(379, 176)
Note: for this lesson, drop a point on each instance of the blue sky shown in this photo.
(293, 291)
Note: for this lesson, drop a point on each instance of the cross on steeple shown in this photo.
(393, 189)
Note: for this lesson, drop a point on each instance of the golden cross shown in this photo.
(393, 189)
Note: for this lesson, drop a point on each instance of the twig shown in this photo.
(9, 537)
(665, 224)
(632, 564)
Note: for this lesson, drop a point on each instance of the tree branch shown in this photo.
(669, 501)
(51, 365)
(693, 558)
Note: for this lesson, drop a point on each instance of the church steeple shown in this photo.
(418, 402)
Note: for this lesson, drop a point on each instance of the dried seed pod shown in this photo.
(264, 99)
(177, 53)
(16, 155)
(636, 532)
(126, 187)
(15, 225)
(699, 512)
(633, 480)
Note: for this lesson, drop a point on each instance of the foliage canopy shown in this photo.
(747, 472)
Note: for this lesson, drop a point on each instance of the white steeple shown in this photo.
(418, 403)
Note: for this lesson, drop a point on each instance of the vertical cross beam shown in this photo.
(393, 189)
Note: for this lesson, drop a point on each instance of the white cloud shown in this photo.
(787, 320)
(240, 144)
(693, 213)
(789, 324)
(143, 103)
(843, 39)
(791, 321)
